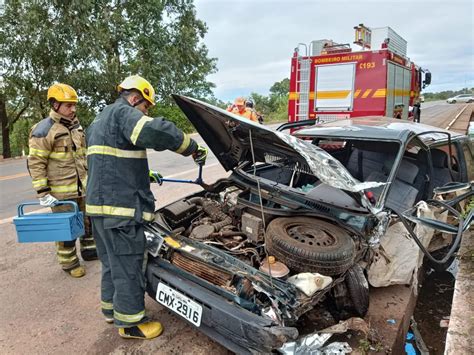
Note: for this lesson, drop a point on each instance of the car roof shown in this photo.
(377, 128)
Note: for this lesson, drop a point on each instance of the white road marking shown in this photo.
(46, 209)
(10, 219)
(457, 116)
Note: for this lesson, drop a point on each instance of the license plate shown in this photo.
(179, 303)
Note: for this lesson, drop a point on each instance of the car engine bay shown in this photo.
(223, 238)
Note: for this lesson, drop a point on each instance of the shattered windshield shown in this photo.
(328, 169)
(334, 167)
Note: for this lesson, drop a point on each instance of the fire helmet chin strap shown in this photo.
(139, 102)
(52, 105)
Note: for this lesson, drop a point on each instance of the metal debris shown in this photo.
(354, 323)
(312, 344)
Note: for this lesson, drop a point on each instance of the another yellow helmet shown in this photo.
(62, 93)
(142, 85)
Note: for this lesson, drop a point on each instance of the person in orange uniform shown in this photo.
(240, 109)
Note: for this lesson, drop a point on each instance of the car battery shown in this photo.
(252, 227)
(49, 227)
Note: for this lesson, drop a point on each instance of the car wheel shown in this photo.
(352, 295)
(308, 244)
(453, 101)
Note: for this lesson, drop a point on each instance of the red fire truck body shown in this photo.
(339, 83)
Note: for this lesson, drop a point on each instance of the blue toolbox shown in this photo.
(49, 227)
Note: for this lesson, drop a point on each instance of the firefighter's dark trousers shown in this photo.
(66, 251)
(121, 249)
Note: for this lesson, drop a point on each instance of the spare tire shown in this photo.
(308, 244)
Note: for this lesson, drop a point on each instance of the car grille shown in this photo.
(202, 270)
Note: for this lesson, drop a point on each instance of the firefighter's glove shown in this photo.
(48, 200)
(155, 177)
(200, 155)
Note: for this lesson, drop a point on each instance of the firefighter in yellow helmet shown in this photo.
(58, 167)
(119, 200)
(239, 108)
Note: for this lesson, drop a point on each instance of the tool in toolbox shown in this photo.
(49, 227)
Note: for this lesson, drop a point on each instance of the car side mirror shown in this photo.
(427, 80)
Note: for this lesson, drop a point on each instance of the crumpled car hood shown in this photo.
(232, 139)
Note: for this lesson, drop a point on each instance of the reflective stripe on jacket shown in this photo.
(57, 157)
(118, 183)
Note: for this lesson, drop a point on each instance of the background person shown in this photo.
(250, 106)
(240, 109)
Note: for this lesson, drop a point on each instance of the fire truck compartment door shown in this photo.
(334, 87)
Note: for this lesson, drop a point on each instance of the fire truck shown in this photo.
(329, 81)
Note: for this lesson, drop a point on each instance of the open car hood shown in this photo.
(232, 139)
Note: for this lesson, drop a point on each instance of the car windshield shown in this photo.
(366, 161)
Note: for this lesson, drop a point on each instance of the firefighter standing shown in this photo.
(119, 199)
(240, 109)
(57, 165)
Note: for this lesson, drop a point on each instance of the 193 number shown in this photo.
(367, 65)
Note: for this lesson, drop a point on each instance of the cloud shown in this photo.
(254, 40)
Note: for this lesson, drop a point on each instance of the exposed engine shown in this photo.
(231, 227)
(218, 221)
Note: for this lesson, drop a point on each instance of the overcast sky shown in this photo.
(254, 40)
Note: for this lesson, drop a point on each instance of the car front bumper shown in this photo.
(232, 326)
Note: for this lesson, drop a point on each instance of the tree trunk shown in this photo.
(5, 128)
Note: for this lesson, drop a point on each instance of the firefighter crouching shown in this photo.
(119, 199)
(58, 167)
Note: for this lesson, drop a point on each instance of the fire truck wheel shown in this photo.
(308, 244)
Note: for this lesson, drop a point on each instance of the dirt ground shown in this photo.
(45, 311)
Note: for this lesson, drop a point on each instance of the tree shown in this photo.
(280, 88)
(28, 60)
(93, 45)
(274, 106)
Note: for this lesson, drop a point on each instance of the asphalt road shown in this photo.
(15, 183)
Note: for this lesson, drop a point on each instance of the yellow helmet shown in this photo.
(62, 93)
(138, 83)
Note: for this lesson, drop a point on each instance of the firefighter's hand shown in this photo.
(48, 200)
(200, 155)
(155, 177)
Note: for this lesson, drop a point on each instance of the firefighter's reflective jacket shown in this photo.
(57, 157)
(247, 112)
(118, 182)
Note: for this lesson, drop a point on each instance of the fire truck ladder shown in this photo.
(302, 75)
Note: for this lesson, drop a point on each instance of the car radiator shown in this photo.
(202, 270)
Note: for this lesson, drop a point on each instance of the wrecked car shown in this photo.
(298, 222)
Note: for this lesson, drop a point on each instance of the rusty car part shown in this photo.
(213, 275)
